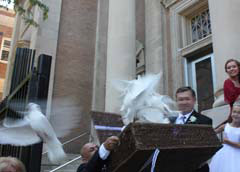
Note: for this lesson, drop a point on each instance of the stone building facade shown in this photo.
(95, 42)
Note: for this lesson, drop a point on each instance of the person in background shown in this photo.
(227, 159)
(96, 159)
(11, 164)
(231, 85)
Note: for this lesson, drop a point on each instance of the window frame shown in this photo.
(190, 73)
(5, 48)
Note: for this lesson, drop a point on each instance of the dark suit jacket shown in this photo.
(95, 164)
(200, 119)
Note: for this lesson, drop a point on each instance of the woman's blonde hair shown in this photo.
(11, 162)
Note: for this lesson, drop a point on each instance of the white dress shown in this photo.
(227, 159)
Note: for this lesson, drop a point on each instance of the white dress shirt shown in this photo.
(103, 152)
(182, 119)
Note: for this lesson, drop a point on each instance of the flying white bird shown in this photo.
(142, 103)
(34, 127)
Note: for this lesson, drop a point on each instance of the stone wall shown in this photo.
(7, 31)
(3, 67)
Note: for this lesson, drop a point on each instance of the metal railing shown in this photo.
(67, 163)
(73, 160)
(71, 140)
(28, 83)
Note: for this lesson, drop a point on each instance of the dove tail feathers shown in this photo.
(56, 153)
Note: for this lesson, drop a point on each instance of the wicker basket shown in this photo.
(183, 148)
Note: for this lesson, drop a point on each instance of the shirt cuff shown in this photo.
(103, 152)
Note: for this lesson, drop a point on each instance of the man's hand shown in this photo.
(111, 143)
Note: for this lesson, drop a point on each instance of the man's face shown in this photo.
(88, 151)
(185, 101)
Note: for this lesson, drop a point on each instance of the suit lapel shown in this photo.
(192, 119)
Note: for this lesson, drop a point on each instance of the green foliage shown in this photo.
(27, 14)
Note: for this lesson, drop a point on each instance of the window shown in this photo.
(6, 43)
(4, 55)
(200, 26)
(5, 49)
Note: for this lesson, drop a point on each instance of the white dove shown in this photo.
(33, 128)
(142, 103)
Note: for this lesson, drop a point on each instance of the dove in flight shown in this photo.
(142, 103)
(34, 127)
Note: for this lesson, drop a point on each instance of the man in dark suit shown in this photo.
(186, 99)
(96, 159)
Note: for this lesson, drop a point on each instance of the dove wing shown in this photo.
(43, 128)
(153, 115)
(11, 122)
(64, 119)
(18, 136)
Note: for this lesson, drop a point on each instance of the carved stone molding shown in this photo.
(195, 46)
(168, 3)
(23, 44)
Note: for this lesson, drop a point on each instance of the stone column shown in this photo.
(100, 66)
(121, 58)
(225, 34)
(45, 35)
(154, 39)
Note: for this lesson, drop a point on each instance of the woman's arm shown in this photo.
(220, 129)
(231, 143)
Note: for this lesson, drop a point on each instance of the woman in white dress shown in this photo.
(227, 159)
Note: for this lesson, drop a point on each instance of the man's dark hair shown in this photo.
(183, 89)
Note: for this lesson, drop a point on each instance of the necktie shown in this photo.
(183, 119)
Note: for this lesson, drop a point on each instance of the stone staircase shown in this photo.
(72, 167)
(218, 114)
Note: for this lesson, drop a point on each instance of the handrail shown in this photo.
(9, 97)
(71, 140)
(28, 77)
(75, 138)
(67, 163)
